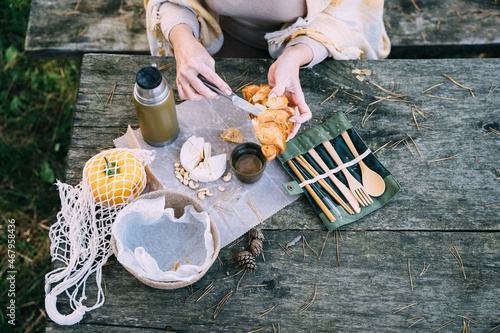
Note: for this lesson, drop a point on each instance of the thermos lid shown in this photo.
(148, 77)
(150, 88)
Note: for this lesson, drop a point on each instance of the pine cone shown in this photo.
(247, 260)
(256, 234)
(256, 247)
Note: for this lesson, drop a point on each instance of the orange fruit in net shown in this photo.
(115, 176)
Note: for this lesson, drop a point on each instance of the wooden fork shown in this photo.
(356, 187)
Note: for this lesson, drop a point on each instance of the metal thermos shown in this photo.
(155, 107)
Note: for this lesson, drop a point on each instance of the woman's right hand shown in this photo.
(193, 59)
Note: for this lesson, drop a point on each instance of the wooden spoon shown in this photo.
(372, 182)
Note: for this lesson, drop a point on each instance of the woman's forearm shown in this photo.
(181, 33)
(300, 54)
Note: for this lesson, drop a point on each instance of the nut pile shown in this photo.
(183, 176)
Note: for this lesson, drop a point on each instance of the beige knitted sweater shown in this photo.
(347, 29)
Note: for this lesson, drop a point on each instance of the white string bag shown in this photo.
(80, 239)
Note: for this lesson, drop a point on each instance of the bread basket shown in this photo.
(177, 201)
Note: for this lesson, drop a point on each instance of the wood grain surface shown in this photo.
(443, 205)
(66, 29)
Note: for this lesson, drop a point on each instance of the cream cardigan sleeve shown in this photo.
(209, 32)
(348, 29)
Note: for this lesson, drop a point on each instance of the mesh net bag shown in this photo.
(80, 238)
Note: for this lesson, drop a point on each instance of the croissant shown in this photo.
(271, 126)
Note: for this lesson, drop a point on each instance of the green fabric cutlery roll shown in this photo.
(330, 130)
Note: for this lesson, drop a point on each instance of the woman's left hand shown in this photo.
(284, 77)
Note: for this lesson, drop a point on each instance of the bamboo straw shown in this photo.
(302, 161)
(309, 189)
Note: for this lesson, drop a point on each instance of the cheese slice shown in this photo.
(196, 157)
(210, 169)
(192, 153)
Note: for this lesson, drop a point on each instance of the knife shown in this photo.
(237, 101)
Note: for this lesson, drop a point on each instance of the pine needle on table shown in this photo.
(443, 325)
(468, 319)
(494, 329)
(285, 249)
(208, 289)
(446, 98)
(111, 94)
(222, 302)
(415, 144)
(417, 319)
(393, 94)
(331, 96)
(409, 274)
(381, 147)
(305, 240)
(82, 32)
(492, 89)
(366, 117)
(424, 270)
(415, 5)
(454, 157)
(230, 276)
(250, 203)
(494, 131)
(353, 96)
(460, 85)
(218, 307)
(257, 330)
(241, 278)
(165, 66)
(264, 312)
(432, 87)
(396, 310)
(324, 243)
(309, 302)
(456, 255)
(337, 233)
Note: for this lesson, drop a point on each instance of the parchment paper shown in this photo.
(231, 210)
(158, 246)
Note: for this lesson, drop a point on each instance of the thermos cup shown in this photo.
(155, 107)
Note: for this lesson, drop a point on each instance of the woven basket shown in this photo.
(177, 201)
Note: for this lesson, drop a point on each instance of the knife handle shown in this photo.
(212, 86)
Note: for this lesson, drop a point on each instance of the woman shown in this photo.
(298, 33)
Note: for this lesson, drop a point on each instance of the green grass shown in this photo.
(37, 102)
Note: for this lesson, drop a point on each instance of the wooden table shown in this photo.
(395, 257)
(68, 29)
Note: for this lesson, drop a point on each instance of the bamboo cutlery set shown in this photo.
(333, 182)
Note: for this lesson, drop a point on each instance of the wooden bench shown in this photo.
(68, 29)
(389, 271)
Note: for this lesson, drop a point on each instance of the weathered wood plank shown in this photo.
(56, 30)
(359, 296)
(446, 195)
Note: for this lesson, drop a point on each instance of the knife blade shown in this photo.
(237, 101)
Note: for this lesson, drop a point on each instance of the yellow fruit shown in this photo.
(115, 176)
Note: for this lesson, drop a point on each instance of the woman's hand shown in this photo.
(193, 59)
(284, 77)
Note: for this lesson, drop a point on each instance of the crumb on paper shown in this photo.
(175, 267)
(232, 135)
(186, 259)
